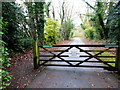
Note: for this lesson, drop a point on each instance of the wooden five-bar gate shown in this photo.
(51, 55)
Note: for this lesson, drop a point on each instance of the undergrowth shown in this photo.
(107, 59)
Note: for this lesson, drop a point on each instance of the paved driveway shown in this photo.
(74, 77)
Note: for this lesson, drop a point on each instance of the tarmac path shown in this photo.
(74, 77)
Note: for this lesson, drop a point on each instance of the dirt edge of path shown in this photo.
(22, 68)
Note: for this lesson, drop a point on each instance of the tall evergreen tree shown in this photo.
(36, 18)
(11, 31)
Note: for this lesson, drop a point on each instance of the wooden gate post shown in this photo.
(35, 50)
(117, 64)
(36, 54)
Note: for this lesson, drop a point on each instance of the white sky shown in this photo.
(79, 7)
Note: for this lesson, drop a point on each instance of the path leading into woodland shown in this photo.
(74, 77)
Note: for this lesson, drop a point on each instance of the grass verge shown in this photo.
(107, 59)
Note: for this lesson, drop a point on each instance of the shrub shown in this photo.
(89, 31)
(4, 62)
(25, 43)
(51, 31)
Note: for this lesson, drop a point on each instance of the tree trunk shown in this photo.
(101, 20)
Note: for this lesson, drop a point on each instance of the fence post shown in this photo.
(117, 64)
(35, 50)
(36, 54)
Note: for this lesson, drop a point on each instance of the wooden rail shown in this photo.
(88, 45)
(81, 51)
(78, 61)
(79, 56)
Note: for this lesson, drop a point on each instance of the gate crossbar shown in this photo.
(58, 56)
(94, 56)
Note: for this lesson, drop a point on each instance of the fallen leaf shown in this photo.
(109, 86)
(40, 83)
(98, 74)
(103, 78)
(108, 78)
(92, 85)
(24, 85)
